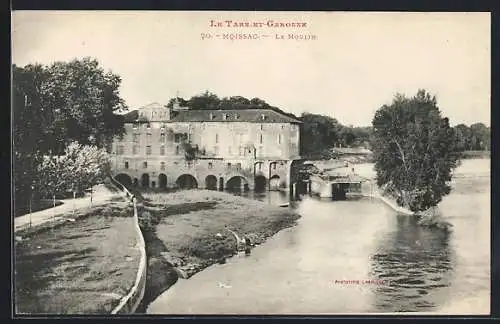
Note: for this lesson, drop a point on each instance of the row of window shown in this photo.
(177, 137)
(120, 149)
(186, 137)
(135, 148)
(210, 165)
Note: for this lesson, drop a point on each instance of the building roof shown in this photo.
(234, 115)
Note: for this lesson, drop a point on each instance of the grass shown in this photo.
(180, 230)
(80, 267)
(41, 205)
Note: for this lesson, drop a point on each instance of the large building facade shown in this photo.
(210, 149)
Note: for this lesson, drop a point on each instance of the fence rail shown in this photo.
(129, 303)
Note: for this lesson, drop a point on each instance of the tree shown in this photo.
(414, 151)
(480, 137)
(79, 168)
(318, 133)
(54, 105)
(66, 101)
(207, 100)
(462, 137)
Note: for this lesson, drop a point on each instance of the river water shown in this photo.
(356, 256)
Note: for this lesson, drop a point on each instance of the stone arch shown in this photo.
(145, 180)
(124, 179)
(186, 181)
(162, 181)
(274, 182)
(260, 183)
(237, 183)
(211, 182)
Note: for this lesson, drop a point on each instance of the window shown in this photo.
(229, 165)
(224, 116)
(148, 150)
(177, 150)
(162, 166)
(162, 137)
(216, 138)
(279, 138)
(238, 166)
(210, 165)
(177, 138)
(135, 138)
(162, 150)
(126, 164)
(145, 165)
(274, 166)
(134, 149)
(119, 150)
(260, 138)
(263, 117)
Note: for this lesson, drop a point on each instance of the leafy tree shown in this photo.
(207, 100)
(79, 168)
(64, 102)
(480, 137)
(318, 134)
(414, 151)
(54, 105)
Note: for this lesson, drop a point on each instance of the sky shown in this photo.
(355, 63)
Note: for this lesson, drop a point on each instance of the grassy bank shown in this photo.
(180, 230)
(82, 266)
(40, 205)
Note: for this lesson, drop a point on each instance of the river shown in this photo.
(356, 256)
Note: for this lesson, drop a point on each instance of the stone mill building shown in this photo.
(249, 149)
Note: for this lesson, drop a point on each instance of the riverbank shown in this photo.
(187, 231)
(82, 264)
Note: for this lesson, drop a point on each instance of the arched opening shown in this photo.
(274, 182)
(186, 181)
(145, 180)
(124, 179)
(260, 183)
(237, 184)
(162, 181)
(211, 182)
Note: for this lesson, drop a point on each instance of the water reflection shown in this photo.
(270, 197)
(295, 271)
(416, 265)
